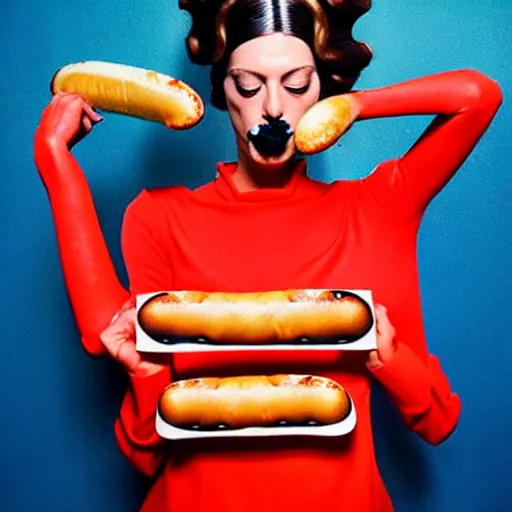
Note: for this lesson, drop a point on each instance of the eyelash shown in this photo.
(249, 93)
(246, 93)
(298, 90)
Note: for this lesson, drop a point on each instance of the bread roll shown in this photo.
(132, 91)
(253, 401)
(290, 316)
(323, 124)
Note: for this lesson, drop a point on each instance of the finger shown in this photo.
(69, 98)
(128, 356)
(128, 315)
(86, 124)
(91, 113)
(383, 325)
(129, 304)
(64, 96)
(385, 335)
(373, 359)
(120, 331)
(64, 103)
(112, 338)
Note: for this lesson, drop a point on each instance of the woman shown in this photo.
(262, 225)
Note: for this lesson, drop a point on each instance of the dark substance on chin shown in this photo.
(270, 138)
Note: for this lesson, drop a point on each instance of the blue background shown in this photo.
(57, 450)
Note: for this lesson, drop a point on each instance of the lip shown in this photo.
(270, 160)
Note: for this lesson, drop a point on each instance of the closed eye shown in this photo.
(246, 93)
(298, 90)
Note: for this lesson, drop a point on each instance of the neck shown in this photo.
(251, 176)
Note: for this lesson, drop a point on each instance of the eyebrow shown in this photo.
(264, 78)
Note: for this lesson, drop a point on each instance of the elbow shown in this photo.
(92, 345)
(437, 436)
(92, 325)
(435, 429)
(145, 460)
(481, 91)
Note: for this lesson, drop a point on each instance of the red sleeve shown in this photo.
(464, 103)
(148, 270)
(135, 428)
(421, 393)
(91, 280)
(143, 244)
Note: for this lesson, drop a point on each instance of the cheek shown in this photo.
(244, 112)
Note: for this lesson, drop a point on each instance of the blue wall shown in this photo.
(58, 406)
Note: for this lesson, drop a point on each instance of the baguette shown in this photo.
(132, 91)
(289, 316)
(253, 401)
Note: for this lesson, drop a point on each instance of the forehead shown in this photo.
(272, 53)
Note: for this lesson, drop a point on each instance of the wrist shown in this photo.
(52, 143)
(49, 146)
(355, 99)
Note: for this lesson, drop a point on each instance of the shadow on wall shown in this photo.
(406, 465)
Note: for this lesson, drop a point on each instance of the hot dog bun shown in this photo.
(132, 91)
(323, 124)
(253, 401)
(256, 318)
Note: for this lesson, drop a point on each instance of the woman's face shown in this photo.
(271, 76)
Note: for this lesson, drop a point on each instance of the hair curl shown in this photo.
(219, 26)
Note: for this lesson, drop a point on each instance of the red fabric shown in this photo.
(359, 234)
(92, 283)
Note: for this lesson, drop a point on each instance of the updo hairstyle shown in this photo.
(220, 26)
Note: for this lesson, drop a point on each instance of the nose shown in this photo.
(273, 104)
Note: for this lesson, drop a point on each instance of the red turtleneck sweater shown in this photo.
(307, 235)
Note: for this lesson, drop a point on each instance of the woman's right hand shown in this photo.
(119, 341)
(66, 120)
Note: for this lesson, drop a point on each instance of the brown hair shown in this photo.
(219, 26)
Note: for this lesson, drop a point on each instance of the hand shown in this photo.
(386, 343)
(119, 340)
(66, 120)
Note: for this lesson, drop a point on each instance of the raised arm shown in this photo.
(92, 283)
(464, 103)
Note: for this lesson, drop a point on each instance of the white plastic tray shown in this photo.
(145, 343)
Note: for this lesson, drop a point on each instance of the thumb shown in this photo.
(128, 356)
(373, 359)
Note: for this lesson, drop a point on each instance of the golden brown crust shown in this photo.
(323, 124)
(253, 401)
(256, 318)
(132, 91)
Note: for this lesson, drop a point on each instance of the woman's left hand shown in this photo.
(386, 343)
